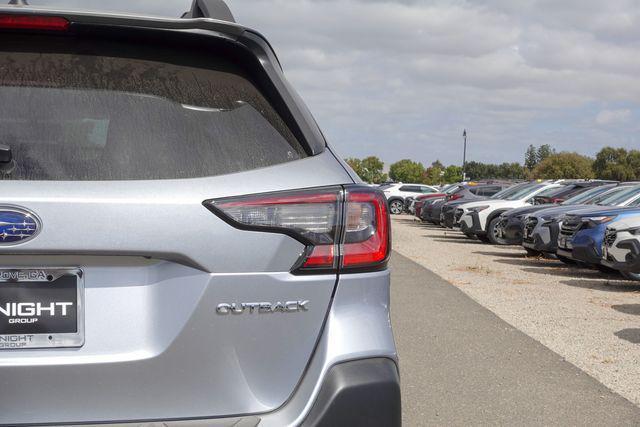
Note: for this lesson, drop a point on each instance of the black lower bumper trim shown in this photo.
(359, 393)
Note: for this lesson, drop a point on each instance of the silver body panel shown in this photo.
(156, 264)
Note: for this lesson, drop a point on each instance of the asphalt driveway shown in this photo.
(462, 365)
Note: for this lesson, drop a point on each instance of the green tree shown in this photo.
(356, 165)
(564, 165)
(617, 164)
(452, 174)
(368, 169)
(407, 171)
(543, 152)
(432, 176)
(531, 158)
(437, 164)
(372, 170)
(511, 171)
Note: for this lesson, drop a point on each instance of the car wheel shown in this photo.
(495, 233)
(631, 276)
(395, 207)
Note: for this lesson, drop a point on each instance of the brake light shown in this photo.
(341, 228)
(454, 197)
(33, 22)
(366, 236)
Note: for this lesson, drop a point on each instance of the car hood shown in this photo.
(557, 210)
(527, 210)
(625, 223)
(602, 211)
(466, 200)
(494, 203)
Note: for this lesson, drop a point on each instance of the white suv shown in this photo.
(621, 247)
(398, 192)
(481, 218)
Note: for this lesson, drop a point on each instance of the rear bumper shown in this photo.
(362, 392)
(354, 365)
(359, 393)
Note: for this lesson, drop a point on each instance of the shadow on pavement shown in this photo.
(577, 273)
(603, 285)
(522, 255)
(539, 263)
(463, 241)
(630, 334)
(627, 308)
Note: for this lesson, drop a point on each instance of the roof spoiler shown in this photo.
(214, 9)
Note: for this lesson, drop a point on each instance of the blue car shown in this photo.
(582, 234)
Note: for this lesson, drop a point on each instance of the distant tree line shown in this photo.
(541, 162)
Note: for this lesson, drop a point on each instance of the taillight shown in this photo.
(454, 197)
(366, 231)
(33, 22)
(341, 228)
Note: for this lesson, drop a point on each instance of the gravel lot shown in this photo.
(589, 318)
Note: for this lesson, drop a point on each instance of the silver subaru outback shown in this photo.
(178, 244)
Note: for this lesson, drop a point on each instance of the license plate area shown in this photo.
(41, 308)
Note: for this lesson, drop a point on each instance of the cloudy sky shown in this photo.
(402, 79)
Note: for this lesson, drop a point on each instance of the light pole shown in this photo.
(464, 157)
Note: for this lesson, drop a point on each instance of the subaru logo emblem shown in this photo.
(17, 225)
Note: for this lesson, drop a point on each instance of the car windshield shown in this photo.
(524, 192)
(586, 196)
(508, 191)
(620, 197)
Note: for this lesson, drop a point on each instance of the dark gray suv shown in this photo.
(179, 244)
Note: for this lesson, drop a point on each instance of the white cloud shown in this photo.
(609, 117)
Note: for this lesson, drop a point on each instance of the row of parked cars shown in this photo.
(586, 223)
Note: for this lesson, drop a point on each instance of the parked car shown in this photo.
(510, 228)
(582, 232)
(419, 201)
(569, 190)
(481, 218)
(464, 193)
(397, 193)
(621, 249)
(175, 241)
(542, 227)
(480, 191)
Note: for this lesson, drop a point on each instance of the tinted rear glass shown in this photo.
(83, 115)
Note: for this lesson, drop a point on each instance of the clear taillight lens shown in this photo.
(346, 228)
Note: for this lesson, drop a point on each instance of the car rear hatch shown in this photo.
(126, 140)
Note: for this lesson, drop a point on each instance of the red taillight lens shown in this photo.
(454, 197)
(367, 234)
(345, 228)
(33, 22)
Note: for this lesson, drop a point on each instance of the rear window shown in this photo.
(79, 114)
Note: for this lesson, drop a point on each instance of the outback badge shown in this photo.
(262, 307)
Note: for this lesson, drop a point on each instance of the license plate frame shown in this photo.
(41, 339)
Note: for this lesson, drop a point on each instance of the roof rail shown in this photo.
(214, 9)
